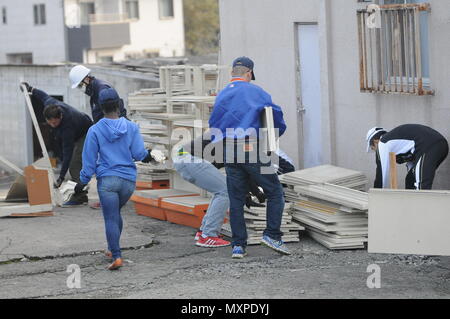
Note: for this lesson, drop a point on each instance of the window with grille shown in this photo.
(39, 14)
(393, 47)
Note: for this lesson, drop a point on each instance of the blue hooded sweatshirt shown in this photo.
(110, 149)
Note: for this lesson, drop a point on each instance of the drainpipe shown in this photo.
(328, 123)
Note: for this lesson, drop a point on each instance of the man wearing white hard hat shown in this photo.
(80, 77)
(420, 147)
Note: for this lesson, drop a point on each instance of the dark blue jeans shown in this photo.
(114, 192)
(238, 176)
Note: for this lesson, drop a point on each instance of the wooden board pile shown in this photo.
(326, 174)
(255, 220)
(334, 215)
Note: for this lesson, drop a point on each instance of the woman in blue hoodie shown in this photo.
(111, 147)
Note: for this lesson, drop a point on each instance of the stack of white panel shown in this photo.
(255, 220)
(326, 174)
(333, 215)
(334, 226)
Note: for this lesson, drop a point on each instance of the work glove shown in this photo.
(28, 87)
(404, 158)
(158, 156)
(250, 203)
(58, 183)
(79, 188)
(155, 156)
(255, 190)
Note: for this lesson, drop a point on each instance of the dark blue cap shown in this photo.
(107, 95)
(244, 61)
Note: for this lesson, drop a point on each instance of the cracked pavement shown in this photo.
(161, 261)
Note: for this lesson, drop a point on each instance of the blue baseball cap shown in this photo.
(108, 95)
(247, 62)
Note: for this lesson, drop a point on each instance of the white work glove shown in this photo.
(158, 156)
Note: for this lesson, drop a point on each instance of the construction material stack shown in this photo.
(326, 174)
(183, 97)
(334, 215)
(255, 220)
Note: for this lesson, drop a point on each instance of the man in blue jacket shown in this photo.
(71, 127)
(81, 77)
(237, 114)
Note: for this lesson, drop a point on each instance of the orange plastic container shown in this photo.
(141, 185)
(188, 211)
(144, 209)
(148, 202)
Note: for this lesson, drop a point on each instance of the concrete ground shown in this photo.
(163, 262)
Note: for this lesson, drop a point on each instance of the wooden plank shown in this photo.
(24, 209)
(393, 178)
(42, 214)
(11, 165)
(409, 222)
(36, 127)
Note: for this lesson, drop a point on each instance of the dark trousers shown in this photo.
(238, 177)
(75, 167)
(421, 176)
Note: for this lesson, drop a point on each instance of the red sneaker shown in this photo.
(212, 242)
(197, 235)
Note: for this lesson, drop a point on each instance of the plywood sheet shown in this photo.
(409, 222)
(24, 209)
(162, 193)
(38, 186)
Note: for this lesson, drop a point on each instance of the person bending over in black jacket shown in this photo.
(71, 127)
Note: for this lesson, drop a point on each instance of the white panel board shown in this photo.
(409, 222)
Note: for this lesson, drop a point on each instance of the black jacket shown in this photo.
(74, 125)
(409, 142)
(93, 90)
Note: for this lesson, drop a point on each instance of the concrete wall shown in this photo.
(347, 113)
(15, 123)
(20, 35)
(264, 31)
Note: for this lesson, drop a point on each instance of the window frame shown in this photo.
(39, 14)
(4, 15)
(160, 9)
(127, 8)
(391, 60)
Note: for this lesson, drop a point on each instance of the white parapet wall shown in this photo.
(16, 144)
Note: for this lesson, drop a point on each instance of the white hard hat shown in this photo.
(77, 74)
(372, 132)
